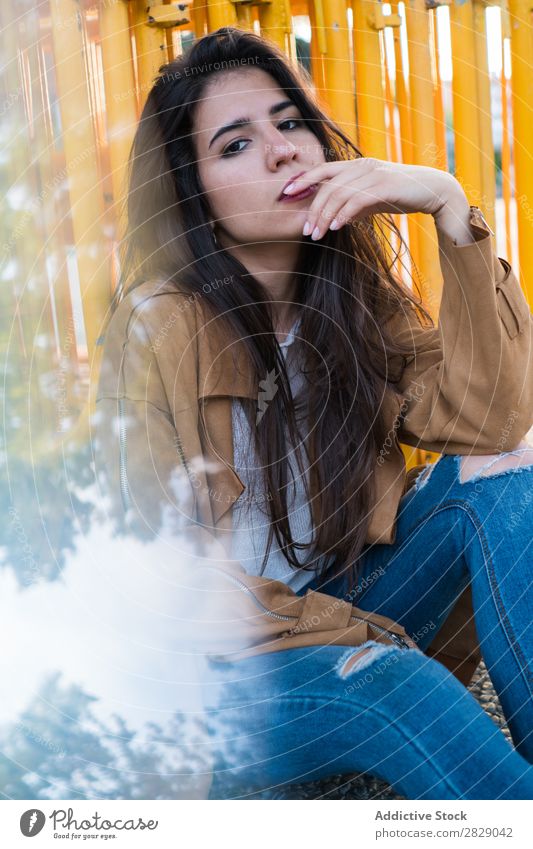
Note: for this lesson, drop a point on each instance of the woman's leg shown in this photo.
(307, 713)
(454, 530)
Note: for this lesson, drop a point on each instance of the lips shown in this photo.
(305, 193)
(289, 181)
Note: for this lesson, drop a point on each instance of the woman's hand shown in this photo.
(352, 189)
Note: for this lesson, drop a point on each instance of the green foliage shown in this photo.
(45, 510)
(60, 749)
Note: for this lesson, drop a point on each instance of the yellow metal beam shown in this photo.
(150, 48)
(506, 141)
(245, 17)
(404, 114)
(464, 90)
(317, 48)
(199, 18)
(368, 58)
(440, 118)
(424, 144)
(339, 82)
(220, 13)
(77, 132)
(120, 95)
(522, 100)
(484, 115)
(276, 24)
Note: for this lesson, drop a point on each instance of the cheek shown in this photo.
(230, 192)
(244, 207)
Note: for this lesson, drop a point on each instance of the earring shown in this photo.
(214, 235)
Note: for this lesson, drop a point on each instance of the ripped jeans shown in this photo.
(307, 713)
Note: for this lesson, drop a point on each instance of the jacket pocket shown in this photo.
(323, 612)
(319, 614)
(512, 305)
(316, 619)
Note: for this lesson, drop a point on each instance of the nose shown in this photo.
(278, 149)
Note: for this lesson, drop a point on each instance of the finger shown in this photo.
(347, 214)
(363, 197)
(360, 176)
(324, 171)
(355, 210)
(325, 206)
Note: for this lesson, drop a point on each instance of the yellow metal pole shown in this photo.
(36, 45)
(245, 18)
(199, 18)
(483, 108)
(34, 391)
(425, 149)
(150, 47)
(169, 35)
(372, 132)
(465, 107)
(318, 48)
(373, 90)
(404, 114)
(220, 13)
(276, 24)
(339, 81)
(440, 118)
(78, 138)
(522, 102)
(506, 146)
(183, 18)
(392, 139)
(119, 81)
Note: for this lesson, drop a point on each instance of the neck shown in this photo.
(273, 264)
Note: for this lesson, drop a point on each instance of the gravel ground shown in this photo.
(361, 786)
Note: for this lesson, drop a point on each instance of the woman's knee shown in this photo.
(363, 665)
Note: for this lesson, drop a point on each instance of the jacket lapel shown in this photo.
(224, 373)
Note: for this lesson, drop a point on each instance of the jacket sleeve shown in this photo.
(140, 436)
(137, 453)
(468, 387)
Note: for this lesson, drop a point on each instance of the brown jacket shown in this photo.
(164, 432)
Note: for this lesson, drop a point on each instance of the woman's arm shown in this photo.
(469, 386)
(454, 218)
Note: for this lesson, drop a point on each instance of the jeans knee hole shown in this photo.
(497, 465)
(358, 659)
(423, 477)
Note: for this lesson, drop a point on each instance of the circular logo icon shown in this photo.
(32, 822)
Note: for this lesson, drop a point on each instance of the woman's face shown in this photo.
(243, 169)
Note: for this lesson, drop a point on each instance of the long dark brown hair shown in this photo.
(345, 282)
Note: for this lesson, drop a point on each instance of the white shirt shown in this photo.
(251, 511)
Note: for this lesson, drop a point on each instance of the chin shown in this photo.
(294, 231)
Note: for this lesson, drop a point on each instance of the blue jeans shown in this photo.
(307, 713)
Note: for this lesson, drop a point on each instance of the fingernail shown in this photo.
(307, 228)
(316, 232)
(334, 224)
(288, 188)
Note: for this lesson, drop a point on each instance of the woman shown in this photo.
(261, 365)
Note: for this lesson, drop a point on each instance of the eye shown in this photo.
(296, 121)
(229, 152)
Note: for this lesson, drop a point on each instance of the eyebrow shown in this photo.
(245, 122)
